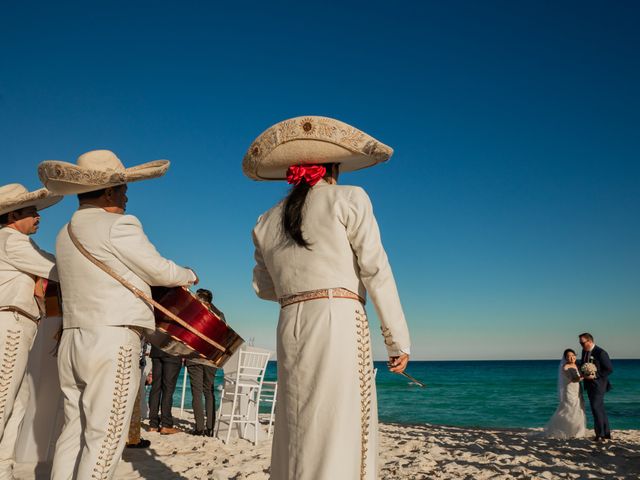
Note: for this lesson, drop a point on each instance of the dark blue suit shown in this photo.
(598, 387)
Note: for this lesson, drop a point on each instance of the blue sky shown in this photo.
(510, 210)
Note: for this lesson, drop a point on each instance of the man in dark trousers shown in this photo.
(165, 371)
(598, 386)
(201, 377)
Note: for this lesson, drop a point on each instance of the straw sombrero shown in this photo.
(14, 197)
(310, 139)
(95, 170)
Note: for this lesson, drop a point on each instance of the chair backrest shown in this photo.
(252, 365)
(268, 393)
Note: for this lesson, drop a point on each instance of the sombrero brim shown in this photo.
(41, 199)
(311, 140)
(66, 178)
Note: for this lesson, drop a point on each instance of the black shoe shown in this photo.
(208, 432)
(598, 439)
(196, 432)
(141, 444)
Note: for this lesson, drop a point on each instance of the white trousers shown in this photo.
(99, 375)
(326, 411)
(16, 337)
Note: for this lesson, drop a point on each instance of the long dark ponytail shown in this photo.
(292, 213)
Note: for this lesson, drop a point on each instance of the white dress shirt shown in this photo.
(21, 262)
(346, 251)
(92, 297)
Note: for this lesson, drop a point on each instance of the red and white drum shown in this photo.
(209, 340)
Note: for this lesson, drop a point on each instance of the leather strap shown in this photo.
(137, 292)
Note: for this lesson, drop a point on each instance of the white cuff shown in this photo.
(397, 353)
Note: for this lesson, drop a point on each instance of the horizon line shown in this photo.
(489, 359)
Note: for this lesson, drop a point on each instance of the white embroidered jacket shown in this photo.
(346, 251)
(21, 261)
(90, 296)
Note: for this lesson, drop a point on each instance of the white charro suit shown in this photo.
(21, 262)
(326, 420)
(99, 352)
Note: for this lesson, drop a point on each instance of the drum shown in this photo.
(210, 340)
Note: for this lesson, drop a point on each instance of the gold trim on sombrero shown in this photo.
(15, 197)
(95, 170)
(321, 135)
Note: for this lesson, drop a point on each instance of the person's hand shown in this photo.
(398, 364)
(197, 280)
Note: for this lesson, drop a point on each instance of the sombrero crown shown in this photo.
(95, 170)
(15, 197)
(311, 140)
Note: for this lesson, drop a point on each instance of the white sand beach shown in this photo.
(407, 452)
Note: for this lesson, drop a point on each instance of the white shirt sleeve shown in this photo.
(133, 248)
(262, 281)
(26, 256)
(375, 272)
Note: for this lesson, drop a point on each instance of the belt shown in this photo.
(316, 294)
(12, 308)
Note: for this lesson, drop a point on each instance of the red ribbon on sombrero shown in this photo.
(312, 174)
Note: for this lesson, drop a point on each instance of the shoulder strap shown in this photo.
(136, 291)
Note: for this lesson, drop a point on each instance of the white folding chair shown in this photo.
(244, 390)
(268, 395)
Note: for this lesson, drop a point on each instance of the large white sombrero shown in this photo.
(95, 170)
(14, 197)
(310, 139)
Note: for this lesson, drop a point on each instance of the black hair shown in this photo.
(586, 335)
(4, 218)
(564, 355)
(91, 195)
(97, 193)
(292, 212)
(204, 295)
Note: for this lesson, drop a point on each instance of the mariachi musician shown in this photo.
(22, 265)
(318, 253)
(103, 320)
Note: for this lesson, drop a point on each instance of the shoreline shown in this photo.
(406, 452)
(498, 429)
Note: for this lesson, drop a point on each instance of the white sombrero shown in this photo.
(95, 170)
(310, 139)
(14, 197)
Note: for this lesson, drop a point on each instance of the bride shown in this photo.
(569, 420)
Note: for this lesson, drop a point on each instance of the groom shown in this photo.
(597, 387)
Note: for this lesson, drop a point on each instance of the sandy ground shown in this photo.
(406, 452)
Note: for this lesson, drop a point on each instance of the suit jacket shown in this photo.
(346, 251)
(600, 358)
(92, 297)
(21, 262)
(157, 353)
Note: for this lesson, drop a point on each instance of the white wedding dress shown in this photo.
(569, 420)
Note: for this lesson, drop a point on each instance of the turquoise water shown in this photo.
(486, 393)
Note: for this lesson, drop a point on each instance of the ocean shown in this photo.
(503, 394)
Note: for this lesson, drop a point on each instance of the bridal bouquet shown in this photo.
(588, 370)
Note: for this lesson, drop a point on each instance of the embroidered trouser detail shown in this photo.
(117, 417)
(365, 376)
(17, 333)
(7, 369)
(99, 375)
